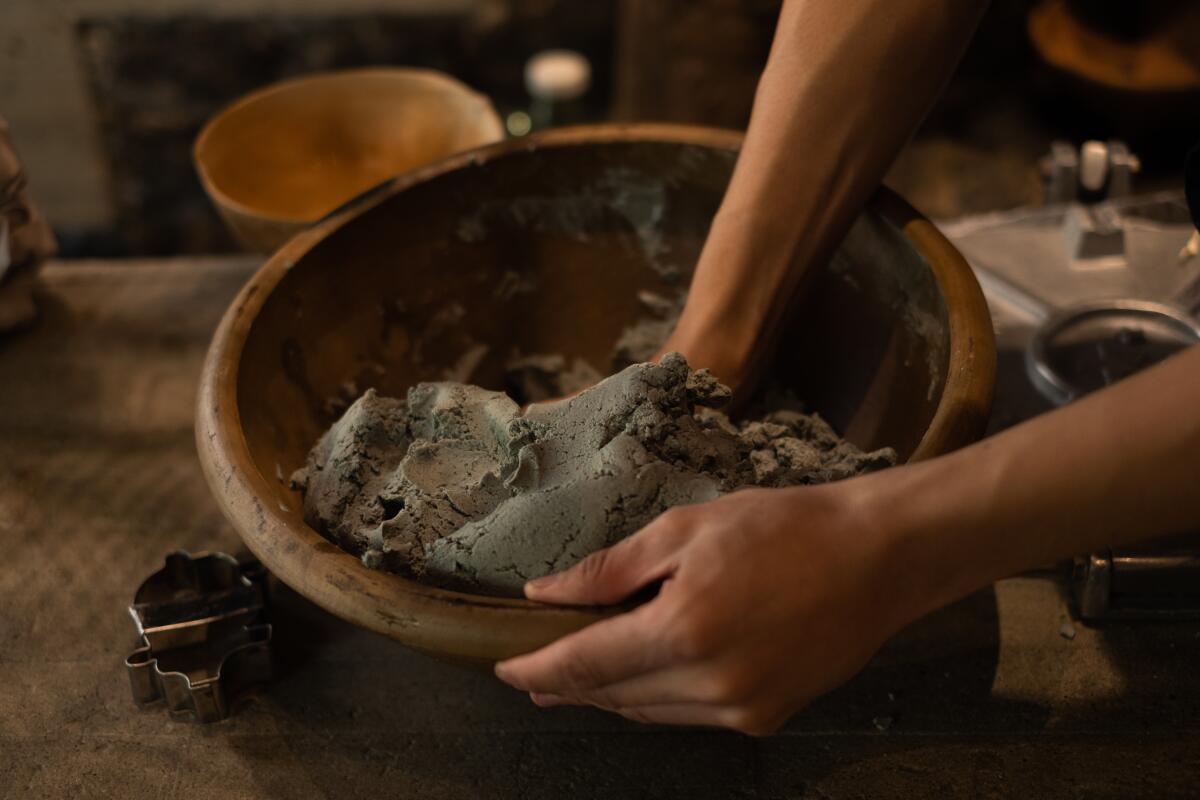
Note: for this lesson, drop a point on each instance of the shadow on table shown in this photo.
(1148, 681)
(360, 713)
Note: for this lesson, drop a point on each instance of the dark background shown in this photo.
(155, 80)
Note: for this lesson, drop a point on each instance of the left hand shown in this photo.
(769, 598)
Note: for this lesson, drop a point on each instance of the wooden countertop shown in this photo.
(99, 480)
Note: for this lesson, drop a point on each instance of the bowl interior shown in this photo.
(299, 149)
(547, 253)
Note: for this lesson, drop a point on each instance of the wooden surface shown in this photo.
(99, 480)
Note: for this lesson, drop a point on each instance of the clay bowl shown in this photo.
(894, 337)
(278, 160)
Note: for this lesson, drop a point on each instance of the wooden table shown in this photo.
(99, 480)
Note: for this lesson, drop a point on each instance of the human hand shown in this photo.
(769, 598)
(772, 596)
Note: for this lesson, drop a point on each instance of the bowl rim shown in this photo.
(432, 619)
(422, 74)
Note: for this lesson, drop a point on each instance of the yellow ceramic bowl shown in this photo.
(278, 160)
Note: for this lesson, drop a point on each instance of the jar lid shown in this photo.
(557, 75)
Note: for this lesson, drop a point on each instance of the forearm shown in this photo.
(1114, 467)
(845, 85)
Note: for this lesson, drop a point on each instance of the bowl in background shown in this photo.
(280, 159)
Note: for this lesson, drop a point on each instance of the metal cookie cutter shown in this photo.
(205, 643)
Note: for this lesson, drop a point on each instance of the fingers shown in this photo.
(674, 714)
(742, 719)
(611, 575)
(602, 653)
(660, 713)
(689, 684)
(699, 682)
(550, 700)
(695, 715)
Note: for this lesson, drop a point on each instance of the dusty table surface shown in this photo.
(99, 480)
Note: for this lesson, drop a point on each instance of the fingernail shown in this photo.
(540, 584)
(504, 672)
(547, 700)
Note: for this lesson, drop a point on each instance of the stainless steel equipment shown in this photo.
(1072, 316)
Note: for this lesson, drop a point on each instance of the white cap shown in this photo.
(557, 75)
(1093, 164)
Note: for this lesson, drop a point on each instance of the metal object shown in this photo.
(1094, 171)
(1119, 330)
(1061, 169)
(1122, 336)
(1085, 179)
(1161, 582)
(1122, 166)
(1094, 232)
(205, 643)
(1038, 295)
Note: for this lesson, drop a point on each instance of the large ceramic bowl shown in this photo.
(542, 244)
(281, 158)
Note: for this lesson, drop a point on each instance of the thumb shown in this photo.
(611, 575)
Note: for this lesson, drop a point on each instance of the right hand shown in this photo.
(769, 598)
